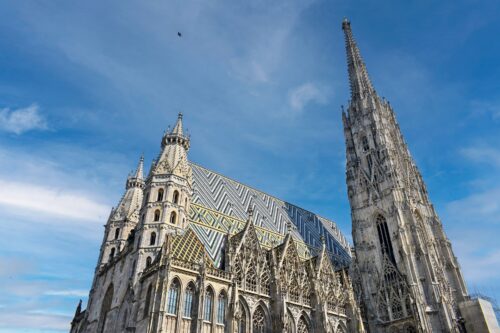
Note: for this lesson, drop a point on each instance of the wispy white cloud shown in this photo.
(64, 293)
(22, 120)
(483, 206)
(307, 93)
(53, 201)
(483, 155)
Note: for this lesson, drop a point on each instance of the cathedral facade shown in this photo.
(188, 250)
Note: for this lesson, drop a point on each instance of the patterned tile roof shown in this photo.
(220, 207)
(188, 247)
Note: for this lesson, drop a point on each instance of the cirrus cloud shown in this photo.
(307, 93)
(22, 120)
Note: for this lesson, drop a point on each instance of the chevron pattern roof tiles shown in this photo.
(220, 207)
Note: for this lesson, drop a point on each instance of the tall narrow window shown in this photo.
(209, 301)
(242, 323)
(173, 217)
(112, 253)
(175, 197)
(160, 195)
(364, 142)
(173, 297)
(302, 327)
(221, 308)
(259, 321)
(157, 215)
(117, 233)
(384, 238)
(152, 238)
(188, 303)
(148, 261)
(147, 301)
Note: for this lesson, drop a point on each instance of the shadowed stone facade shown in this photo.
(188, 250)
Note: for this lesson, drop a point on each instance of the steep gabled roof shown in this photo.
(220, 205)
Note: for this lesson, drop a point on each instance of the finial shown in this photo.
(289, 227)
(179, 116)
(250, 212)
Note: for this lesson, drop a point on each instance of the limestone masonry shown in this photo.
(188, 250)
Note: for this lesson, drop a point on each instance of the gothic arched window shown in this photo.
(117, 233)
(221, 308)
(251, 280)
(385, 238)
(148, 261)
(173, 217)
(175, 197)
(188, 303)
(209, 302)
(152, 238)
(147, 301)
(160, 195)
(173, 297)
(259, 321)
(106, 306)
(242, 321)
(157, 215)
(302, 327)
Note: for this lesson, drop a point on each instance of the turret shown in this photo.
(125, 217)
(168, 193)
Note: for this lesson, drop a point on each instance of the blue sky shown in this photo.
(86, 87)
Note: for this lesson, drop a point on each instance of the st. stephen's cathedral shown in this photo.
(188, 250)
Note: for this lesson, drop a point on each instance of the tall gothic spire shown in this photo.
(394, 224)
(359, 80)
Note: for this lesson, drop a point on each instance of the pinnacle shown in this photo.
(139, 172)
(178, 126)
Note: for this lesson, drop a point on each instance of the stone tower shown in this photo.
(167, 195)
(124, 218)
(409, 278)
